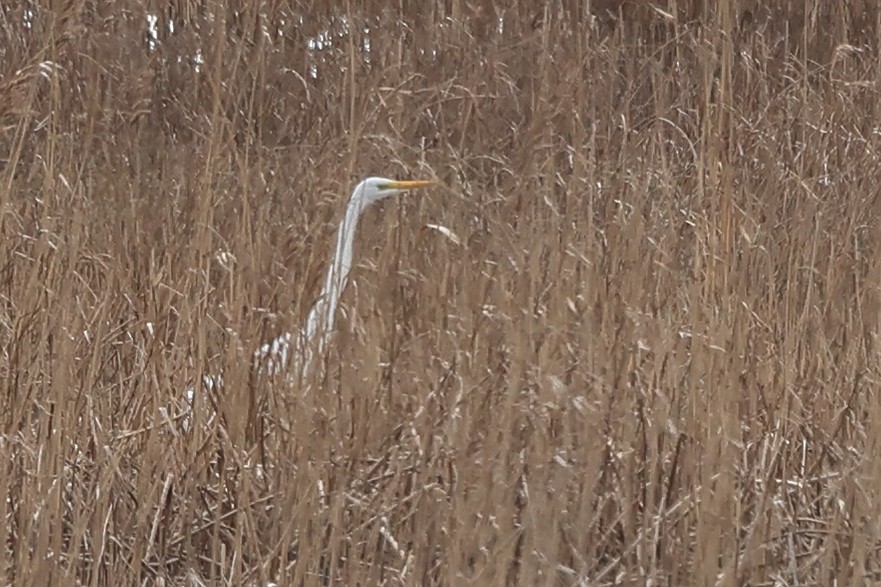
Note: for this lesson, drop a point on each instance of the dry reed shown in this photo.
(652, 358)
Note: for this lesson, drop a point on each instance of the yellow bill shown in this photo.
(411, 185)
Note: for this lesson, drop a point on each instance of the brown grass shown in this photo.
(653, 358)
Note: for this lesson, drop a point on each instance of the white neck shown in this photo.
(321, 317)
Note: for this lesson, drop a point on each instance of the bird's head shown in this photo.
(374, 189)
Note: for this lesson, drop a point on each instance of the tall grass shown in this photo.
(651, 356)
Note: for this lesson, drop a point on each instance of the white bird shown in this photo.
(319, 323)
(273, 357)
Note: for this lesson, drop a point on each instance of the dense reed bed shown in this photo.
(644, 350)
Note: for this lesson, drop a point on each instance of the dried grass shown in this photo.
(651, 358)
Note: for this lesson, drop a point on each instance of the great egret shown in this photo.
(319, 323)
(272, 358)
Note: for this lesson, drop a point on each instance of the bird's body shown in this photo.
(275, 356)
